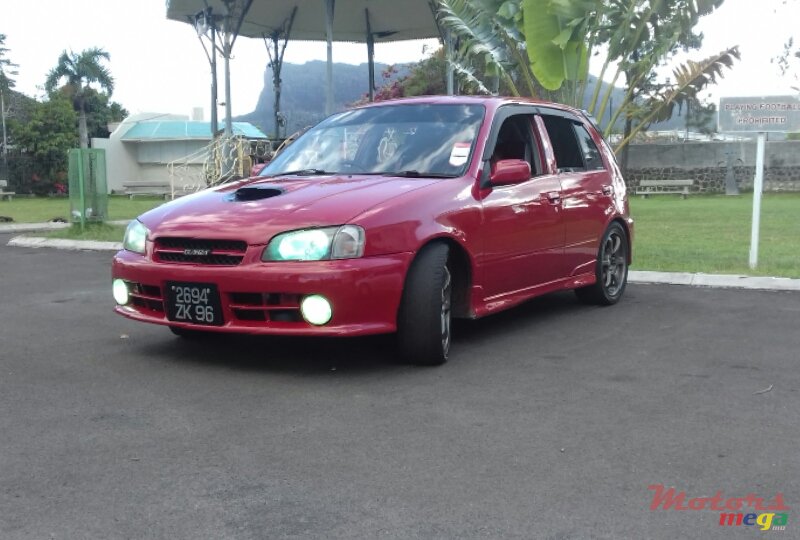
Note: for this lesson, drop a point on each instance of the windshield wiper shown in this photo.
(417, 174)
(301, 172)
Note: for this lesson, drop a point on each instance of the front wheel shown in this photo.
(423, 323)
(611, 270)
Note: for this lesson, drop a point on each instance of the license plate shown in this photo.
(195, 303)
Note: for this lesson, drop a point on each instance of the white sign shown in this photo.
(759, 114)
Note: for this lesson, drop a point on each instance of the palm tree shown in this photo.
(80, 71)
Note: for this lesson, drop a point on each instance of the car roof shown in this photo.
(490, 102)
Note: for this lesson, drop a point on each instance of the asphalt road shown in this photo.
(550, 421)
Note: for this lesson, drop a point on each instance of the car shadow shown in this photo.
(279, 354)
(526, 316)
(361, 355)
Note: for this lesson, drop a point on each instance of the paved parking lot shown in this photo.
(550, 421)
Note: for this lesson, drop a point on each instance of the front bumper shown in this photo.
(263, 298)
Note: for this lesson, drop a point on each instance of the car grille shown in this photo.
(146, 297)
(190, 251)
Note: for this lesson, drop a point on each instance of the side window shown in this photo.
(515, 141)
(591, 154)
(569, 156)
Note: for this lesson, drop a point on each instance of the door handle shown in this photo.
(554, 197)
(608, 190)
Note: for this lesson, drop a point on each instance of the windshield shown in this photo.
(414, 140)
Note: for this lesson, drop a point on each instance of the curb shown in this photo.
(720, 281)
(31, 227)
(6, 228)
(62, 243)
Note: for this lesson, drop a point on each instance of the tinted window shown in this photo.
(515, 141)
(568, 153)
(591, 154)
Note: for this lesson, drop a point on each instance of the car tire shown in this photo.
(611, 270)
(424, 319)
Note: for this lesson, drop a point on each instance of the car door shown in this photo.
(522, 228)
(586, 188)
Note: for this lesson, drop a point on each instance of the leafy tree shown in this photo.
(788, 62)
(78, 72)
(541, 48)
(6, 66)
(44, 140)
(425, 78)
(6, 83)
(701, 117)
(100, 111)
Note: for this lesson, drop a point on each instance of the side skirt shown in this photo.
(487, 306)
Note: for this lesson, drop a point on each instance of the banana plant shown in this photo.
(546, 45)
(557, 50)
(482, 35)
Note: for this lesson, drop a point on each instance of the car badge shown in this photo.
(193, 252)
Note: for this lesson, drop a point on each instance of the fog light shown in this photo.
(120, 289)
(316, 309)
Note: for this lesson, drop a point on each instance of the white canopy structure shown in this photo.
(277, 21)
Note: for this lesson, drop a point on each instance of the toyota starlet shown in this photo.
(394, 217)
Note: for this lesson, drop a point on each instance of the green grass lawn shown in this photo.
(41, 209)
(93, 231)
(711, 234)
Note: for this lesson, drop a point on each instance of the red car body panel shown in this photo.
(519, 240)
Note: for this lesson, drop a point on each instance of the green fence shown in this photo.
(88, 189)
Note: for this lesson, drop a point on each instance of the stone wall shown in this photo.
(706, 163)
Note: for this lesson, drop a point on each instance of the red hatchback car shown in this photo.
(393, 217)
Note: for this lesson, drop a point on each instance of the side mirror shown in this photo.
(510, 171)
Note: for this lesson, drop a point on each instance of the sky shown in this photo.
(159, 65)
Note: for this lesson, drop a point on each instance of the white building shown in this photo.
(140, 149)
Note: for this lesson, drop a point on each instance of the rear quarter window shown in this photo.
(591, 154)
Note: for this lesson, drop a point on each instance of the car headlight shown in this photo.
(345, 242)
(135, 237)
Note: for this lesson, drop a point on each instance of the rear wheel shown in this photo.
(611, 270)
(424, 320)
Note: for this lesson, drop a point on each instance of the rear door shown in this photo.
(586, 189)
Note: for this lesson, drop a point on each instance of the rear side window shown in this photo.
(591, 155)
(573, 146)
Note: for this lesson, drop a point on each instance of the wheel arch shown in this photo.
(628, 235)
(462, 270)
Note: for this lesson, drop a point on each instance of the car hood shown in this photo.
(256, 210)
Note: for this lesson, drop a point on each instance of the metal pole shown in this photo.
(81, 191)
(448, 48)
(370, 57)
(329, 10)
(214, 99)
(758, 188)
(277, 64)
(5, 136)
(228, 119)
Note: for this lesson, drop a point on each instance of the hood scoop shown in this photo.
(255, 193)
